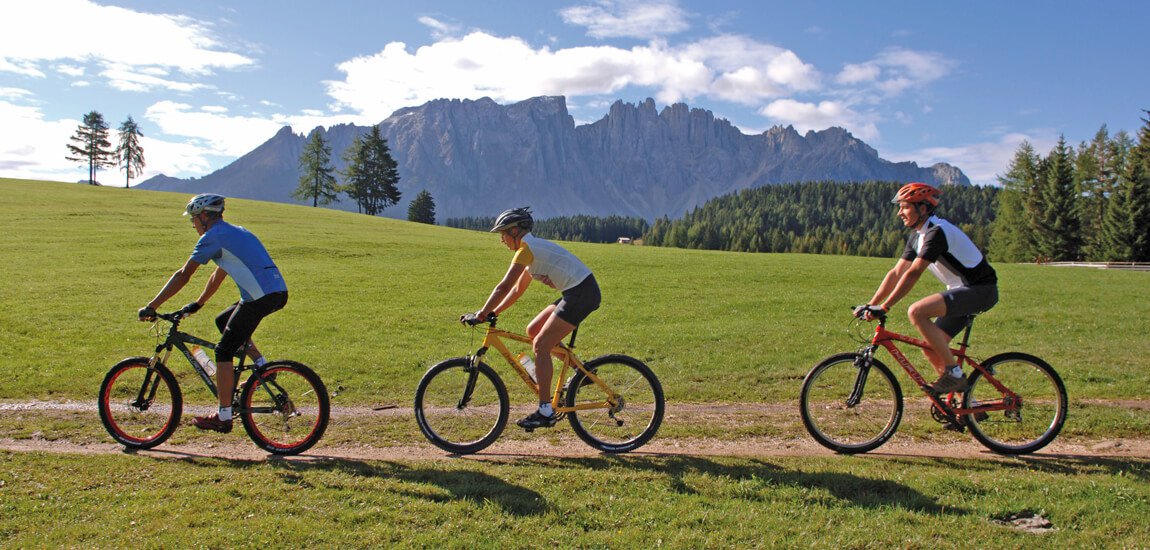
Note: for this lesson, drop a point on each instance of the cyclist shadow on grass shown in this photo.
(466, 485)
(765, 477)
(1068, 465)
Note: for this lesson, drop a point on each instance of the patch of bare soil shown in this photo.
(557, 443)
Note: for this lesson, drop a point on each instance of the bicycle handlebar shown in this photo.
(470, 319)
(877, 313)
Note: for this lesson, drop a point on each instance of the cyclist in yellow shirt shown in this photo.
(547, 262)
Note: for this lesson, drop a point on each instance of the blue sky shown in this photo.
(207, 81)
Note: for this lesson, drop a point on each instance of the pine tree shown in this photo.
(92, 146)
(422, 208)
(316, 180)
(130, 153)
(1126, 236)
(372, 176)
(1012, 238)
(1059, 235)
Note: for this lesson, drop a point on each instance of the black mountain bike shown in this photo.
(283, 405)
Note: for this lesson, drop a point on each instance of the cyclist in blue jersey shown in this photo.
(971, 283)
(239, 254)
(546, 262)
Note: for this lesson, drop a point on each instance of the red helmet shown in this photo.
(917, 192)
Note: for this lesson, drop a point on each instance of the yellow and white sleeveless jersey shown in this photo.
(550, 263)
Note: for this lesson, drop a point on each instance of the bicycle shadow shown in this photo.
(1061, 464)
(764, 477)
(456, 485)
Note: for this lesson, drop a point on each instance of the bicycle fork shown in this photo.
(862, 363)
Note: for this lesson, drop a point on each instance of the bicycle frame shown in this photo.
(493, 338)
(180, 340)
(887, 339)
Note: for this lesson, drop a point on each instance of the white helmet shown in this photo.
(204, 202)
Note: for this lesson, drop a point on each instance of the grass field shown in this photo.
(374, 302)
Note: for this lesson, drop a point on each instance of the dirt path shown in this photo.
(559, 443)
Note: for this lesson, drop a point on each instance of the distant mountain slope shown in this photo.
(478, 158)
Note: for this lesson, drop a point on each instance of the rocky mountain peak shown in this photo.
(476, 157)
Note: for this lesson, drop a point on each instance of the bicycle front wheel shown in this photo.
(140, 406)
(284, 407)
(850, 405)
(1040, 411)
(616, 424)
(459, 408)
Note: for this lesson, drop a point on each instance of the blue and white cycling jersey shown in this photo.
(243, 257)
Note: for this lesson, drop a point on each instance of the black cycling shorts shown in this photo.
(964, 302)
(238, 322)
(579, 301)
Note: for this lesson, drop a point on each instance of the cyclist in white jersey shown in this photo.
(972, 284)
(544, 261)
(240, 255)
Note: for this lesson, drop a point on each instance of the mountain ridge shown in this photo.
(477, 157)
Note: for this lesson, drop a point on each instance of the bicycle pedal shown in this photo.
(954, 427)
(528, 430)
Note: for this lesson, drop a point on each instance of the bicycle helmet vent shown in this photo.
(917, 192)
(204, 202)
(516, 217)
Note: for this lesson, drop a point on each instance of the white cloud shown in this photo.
(821, 115)
(69, 70)
(894, 71)
(981, 162)
(31, 147)
(439, 29)
(729, 68)
(170, 43)
(628, 18)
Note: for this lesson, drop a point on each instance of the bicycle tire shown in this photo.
(453, 424)
(140, 424)
(836, 424)
(636, 418)
(1043, 410)
(278, 400)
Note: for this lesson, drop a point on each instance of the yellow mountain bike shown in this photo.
(614, 403)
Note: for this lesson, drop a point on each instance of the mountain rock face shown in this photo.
(477, 158)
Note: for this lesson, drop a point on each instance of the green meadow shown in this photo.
(374, 302)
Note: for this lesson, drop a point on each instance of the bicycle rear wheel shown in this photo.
(619, 425)
(850, 407)
(140, 406)
(1041, 411)
(459, 408)
(284, 407)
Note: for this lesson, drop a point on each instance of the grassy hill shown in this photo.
(374, 301)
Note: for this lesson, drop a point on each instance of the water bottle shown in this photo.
(528, 365)
(202, 358)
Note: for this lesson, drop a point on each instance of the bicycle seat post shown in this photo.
(966, 333)
(571, 342)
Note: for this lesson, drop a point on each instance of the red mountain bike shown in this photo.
(851, 403)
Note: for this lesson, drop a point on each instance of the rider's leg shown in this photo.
(549, 335)
(536, 324)
(921, 314)
(254, 353)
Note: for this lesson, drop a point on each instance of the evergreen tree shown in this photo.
(422, 208)
(1125, 234)
(372, 176)
(130, 153)
(1012, 237)
(1088, 181)
(316, 180)
(92, 145)
(1059, 235)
